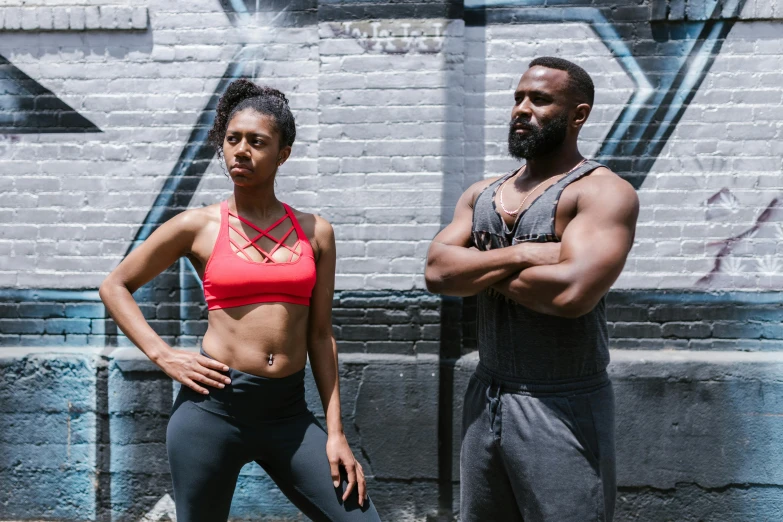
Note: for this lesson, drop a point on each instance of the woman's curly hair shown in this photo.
(243, 94)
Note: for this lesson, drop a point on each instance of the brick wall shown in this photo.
(394, 114)
(400, 106)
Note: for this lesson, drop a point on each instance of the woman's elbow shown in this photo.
(104, 291)
(110, 287)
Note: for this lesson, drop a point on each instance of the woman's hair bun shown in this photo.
(261, 98)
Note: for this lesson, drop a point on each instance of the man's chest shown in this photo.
(543, 221)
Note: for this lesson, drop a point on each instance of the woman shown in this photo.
(268, 274)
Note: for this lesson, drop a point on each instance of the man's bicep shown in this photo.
(458, 232)
(597, 241)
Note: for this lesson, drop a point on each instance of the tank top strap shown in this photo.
(584, 169)
(484, 204)
(537, 222)
(494, 186)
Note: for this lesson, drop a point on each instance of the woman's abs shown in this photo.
(266, 339)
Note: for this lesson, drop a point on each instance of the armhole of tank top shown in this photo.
(576, 177)
(223, 225)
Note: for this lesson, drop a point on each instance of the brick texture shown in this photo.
(397, 113)
(400, 106)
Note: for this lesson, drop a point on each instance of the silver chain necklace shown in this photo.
(503, 186)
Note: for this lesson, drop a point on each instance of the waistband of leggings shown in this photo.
(578, 384)
(250, 380)
(252, 398)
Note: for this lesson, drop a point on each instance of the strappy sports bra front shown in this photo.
(231, 280)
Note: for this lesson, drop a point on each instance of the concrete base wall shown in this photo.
(82, 435)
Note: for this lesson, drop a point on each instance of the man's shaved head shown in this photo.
(579, 82)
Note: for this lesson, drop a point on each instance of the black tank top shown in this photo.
(517, 342)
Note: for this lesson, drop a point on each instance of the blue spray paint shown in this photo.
(26, 107)
(660, 97)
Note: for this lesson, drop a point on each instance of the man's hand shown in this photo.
(537, 254)
(453, 268)
(595, 245)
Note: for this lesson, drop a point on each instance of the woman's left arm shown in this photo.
(322, 350)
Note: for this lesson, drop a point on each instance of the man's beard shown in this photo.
(539, 141)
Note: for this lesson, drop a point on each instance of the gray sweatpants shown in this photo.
(537, 452)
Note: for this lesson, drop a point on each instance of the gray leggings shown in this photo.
(209, 439)
(537, 452)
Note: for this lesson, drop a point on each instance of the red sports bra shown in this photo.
(230, 280)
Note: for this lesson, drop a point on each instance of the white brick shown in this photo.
(92, 17)
(13, 18)
(29, 18)
(139, 18)
(60, 18)
(45, 18)
(379, 136)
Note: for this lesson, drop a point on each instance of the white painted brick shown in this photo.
(379, 135)
(109, 17)
(29, 18)
(139, 18)
(60, 18)
(45, 18)
(92, 17)
(77, 18)
(13, 18)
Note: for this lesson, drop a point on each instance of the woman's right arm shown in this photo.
(172, 240)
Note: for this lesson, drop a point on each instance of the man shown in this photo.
(540, 247)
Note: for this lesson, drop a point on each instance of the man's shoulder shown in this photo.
(483, 183)
(602, 179)
(478, 187)
(606, 188)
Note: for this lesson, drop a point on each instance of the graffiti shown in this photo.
(728, 258)
(164, 509)
(6, 141)
(26, 107)
(184, 179)
(685, 38)
(686, 45)
(270, 13)
(722, 204)
(662, 92)
(401, 37)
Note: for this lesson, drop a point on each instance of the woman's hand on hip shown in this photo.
(339, 454)
(192, 369)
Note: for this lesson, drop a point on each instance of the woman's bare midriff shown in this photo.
(244, 338)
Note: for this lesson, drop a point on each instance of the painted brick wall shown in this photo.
(400, 106)
(380, 106)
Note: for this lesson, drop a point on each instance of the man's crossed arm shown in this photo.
(565, 279)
